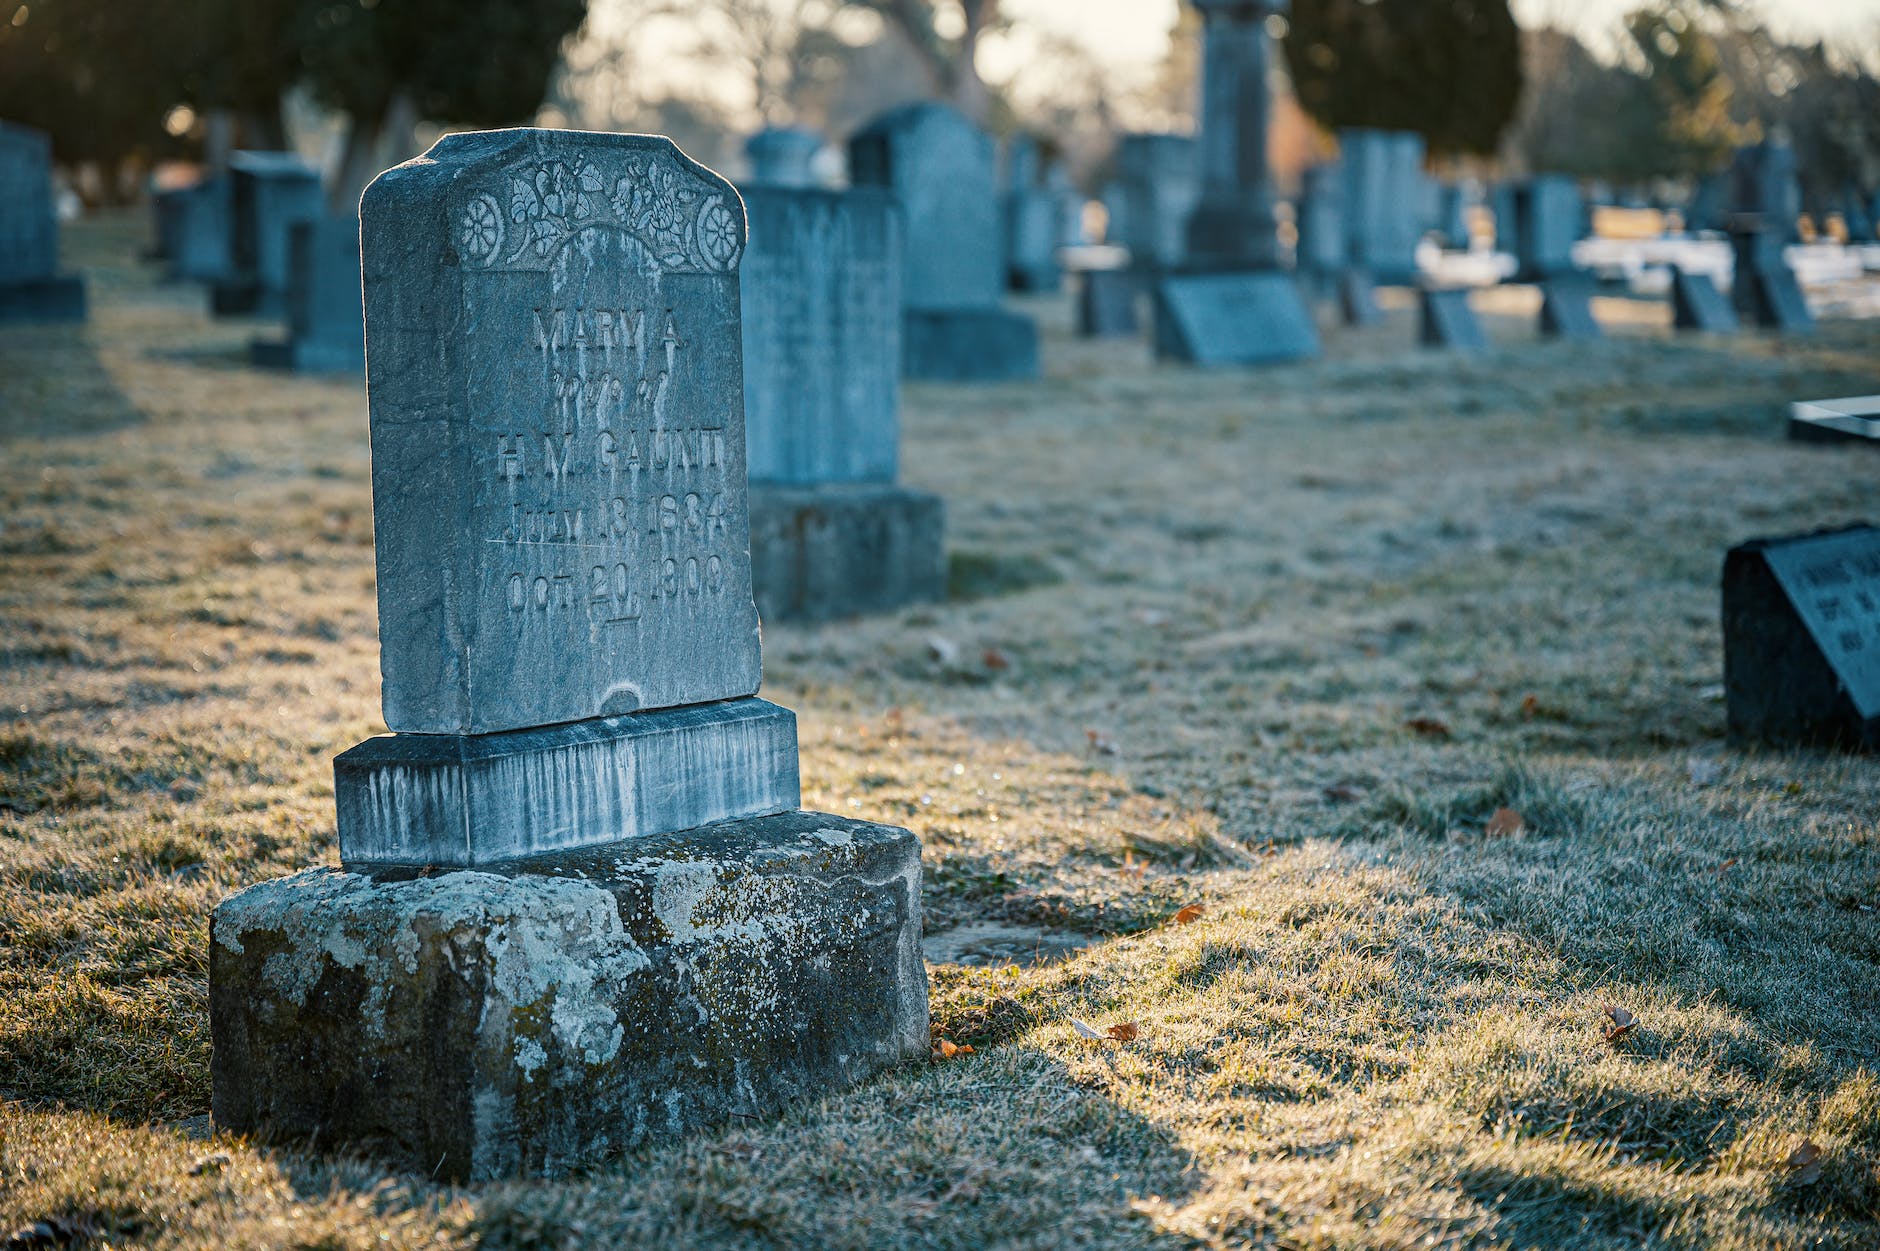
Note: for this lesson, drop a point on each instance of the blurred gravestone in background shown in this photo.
(31, 287)
(325, 314)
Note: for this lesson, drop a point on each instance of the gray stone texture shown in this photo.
(31, 286)
(201, 248)
(1446, 320)
(1158, 186)
(557, 432)
(940, 166)
(537, 1018)
(1106, 305)
(1801, 640)
(1233, 319)
(821, 291)
(1383, 178)
(1549, 219)
(325, 310)
(462, 800)
(1696, 304)
(1233, 227)
(783, 156)
(845, 550)
(1567, 310)
(969, 345)
(268, 193)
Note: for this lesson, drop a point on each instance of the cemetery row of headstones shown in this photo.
(31, 286)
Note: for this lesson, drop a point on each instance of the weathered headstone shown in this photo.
(1853, 420)
(326, 330)
(1764, 288)
(31, 286)
(1696, 304)
(1158, 185)
(268, 193)
(1383, 176)
(1033, 218)
(783, 156)
(1763, 186)
(577, 909)
(1233, 319)
(1567, 310)
(1801, 639)
(1106, 305)
(201, 248)
(832, 534)
(1446, 320)
(1549, 219)
(940, 166)
(1323, 253)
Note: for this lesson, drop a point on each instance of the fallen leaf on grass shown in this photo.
(1428, 727)
(946, 1050)
(1505, 823)
(1103, 744)
(1622, 1023)
(1188, 915)
(1805, 1164)
(996, 659)
(1531, 706)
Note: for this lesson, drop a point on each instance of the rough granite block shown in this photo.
(823, 553)
(557, 431)
(969, 345)
(1233, 319)
(452, 799)
(544, 1016)
(1446, 320)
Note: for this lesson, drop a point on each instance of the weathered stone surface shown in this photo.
(1801, 639)
(31, 288)
(783, 156)
(1696, 304)
(1233, 319)
(1567, 310)
(969, 345)
(1106, 305)
(326, 330)
(1158, 186)
(1854, 420)
(269, 193)
(1446, 320)
(824, 553)
(1383, 179)
(941, 168)
(1234, 227)
(821, 285)
(1549, 220)
(453, 799)
(557, 432)
(543, 1016)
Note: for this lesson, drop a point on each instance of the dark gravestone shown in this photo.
(1855, 420)
(326, 328)
(1549, 220)
(1708, 203)
(1764, 289)
(201, 249)
(1763, 186)
(1801, 639)
(940, 166)
(1234, 227)
(1567, 310)
(1033, 218)
(1158, 184)
(1452, 216)
(1857, 216)
(31, 286)
(1383, 176)
(783, 156)
(1233, 319)
(1357, 299)
(832, 535)
(1323, 252)
(654, 940)
(269, 192)
(1446, 320)
(1696, 304)
(166, 221)
(1106, 305)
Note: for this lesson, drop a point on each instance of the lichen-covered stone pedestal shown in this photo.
(533, 1018)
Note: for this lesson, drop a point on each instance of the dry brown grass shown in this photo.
(1212, 602)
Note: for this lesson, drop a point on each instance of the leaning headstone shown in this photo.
(1383, 176)
(1567, 310)
(326, 330)
(832, 534)
(577, 908)
(1764, 288)
(268, 193)
(1801, 639)
(1549, 219)
(1854, 420)
(1106, 305)
(1158, 185)
(1233, 319)
(31, 286)
(783, 156)
(1696, 304)
(1446, 320)
(940, 166)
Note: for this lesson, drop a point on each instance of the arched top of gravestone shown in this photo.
(517, 195)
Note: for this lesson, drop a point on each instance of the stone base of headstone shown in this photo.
(1854, 420)
(1106, 305)
(845, 549)
(1357, 299)
(968, 345)
(470, 799)
(539, 1017)
(1696, 304)
(1567, 311)
(1446, 320)
(1252, 318)
(57, 299)
(1801, 639)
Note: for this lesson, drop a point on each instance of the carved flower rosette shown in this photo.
(681, 219)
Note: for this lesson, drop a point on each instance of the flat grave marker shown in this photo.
(1233, 319)
(1852, 420)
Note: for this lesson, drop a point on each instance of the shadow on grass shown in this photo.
(52, 385)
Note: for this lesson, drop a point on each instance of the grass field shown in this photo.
(1279, 644)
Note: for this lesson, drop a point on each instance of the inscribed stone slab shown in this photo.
(1233, 319)
(553, 359)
